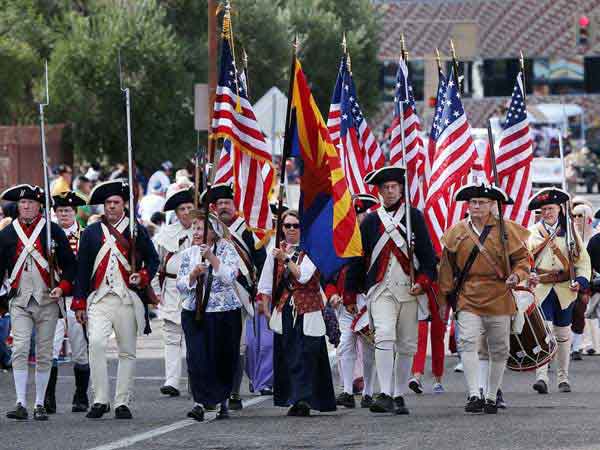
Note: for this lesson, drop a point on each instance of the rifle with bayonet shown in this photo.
(47, 196)
(570, 232)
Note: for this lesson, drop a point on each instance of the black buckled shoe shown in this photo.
(300, 409)
(474, 405)
(169, 390)
(197, 413)
(500, 402)
(223, 412)
(382, 404)
(401, 408)
(540, 386)
(39, 413)
(19, 413)
(490, 407)
(576, 355)
(366, 401)
(346, 400)
(123, 412)
(235, 402)
(564, 387)
(80, 402)
(97, 410)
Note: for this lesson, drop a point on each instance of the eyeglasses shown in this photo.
(287, 226)
(479, 202)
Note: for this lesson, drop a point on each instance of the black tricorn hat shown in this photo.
(68, 198)
(548, 196)
(482, 190)
(364, 202)
(179, 198)
(23, 192)
(385, 174)
(107, 189)
(275, 209)
(217, 192)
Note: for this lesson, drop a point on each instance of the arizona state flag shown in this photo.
(330, 231)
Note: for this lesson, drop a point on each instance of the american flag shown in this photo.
(514, 155)
(359, 150)
(235, 121)
(405, 115)
(224, 173)
(452, 160)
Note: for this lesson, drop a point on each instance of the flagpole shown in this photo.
(407, 206)
(522, 62)
(287, 144)
(455, 65)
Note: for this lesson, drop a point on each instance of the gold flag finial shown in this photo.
(438, 59)
(452, 49)
(403, 48)
(244, 57)
(227, 21)
(522, 60)
(296, 44)
(349, 63)
(344, 44)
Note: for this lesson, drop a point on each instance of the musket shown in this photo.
(570, 237)
(503, 235)
(130, 172)
(287, 147)
(47, 198)
(409, 240)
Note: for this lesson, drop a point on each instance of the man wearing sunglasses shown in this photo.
(383, 275)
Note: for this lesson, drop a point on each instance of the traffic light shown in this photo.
(583, 37)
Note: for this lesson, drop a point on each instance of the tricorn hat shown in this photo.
(548, 196)
(68, 198)
(107, 189)
(179, 198)
(23, 192)
(364, 202)
(275, 209)
(385, 174)
(218, 191)
(482, 190)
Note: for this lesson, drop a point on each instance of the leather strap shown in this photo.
(484, 252)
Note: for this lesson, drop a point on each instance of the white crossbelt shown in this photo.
(110, 246)
(390, 224)
(28, 248)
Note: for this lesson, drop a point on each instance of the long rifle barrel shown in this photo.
(47, 198)
(503, 235)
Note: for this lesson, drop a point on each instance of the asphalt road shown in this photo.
(533, 421)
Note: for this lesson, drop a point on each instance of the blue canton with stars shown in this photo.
(404, 91)
(229, 75)
(351, 114)
(435, 126)
(517, 112)
(452, 108)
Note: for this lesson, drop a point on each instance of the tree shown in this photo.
(86, 87)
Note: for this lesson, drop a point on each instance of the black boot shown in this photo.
(235, 402)
(50, 397)
(81, 402)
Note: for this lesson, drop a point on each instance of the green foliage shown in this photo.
(85, 85)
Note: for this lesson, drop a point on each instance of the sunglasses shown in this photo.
(578, 215)
(287, 226)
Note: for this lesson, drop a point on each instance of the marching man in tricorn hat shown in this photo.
(33, 307)
(556, 291)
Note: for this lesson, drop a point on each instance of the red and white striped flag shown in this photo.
(250, 159)
(405, 109)
(358, 149)
(514, 155)
(452, 161)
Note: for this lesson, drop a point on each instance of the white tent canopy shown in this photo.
(270, 112)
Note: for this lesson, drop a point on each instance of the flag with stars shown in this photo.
(246, 152)
(354, 139)
(406, 121)
(358, 149)
(514, 156)
(452, 160)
